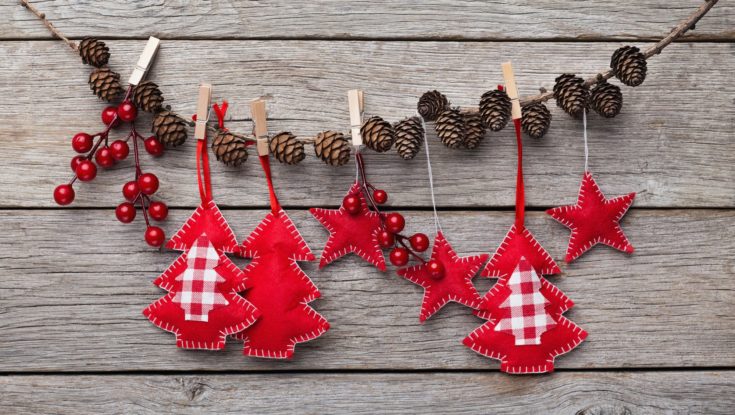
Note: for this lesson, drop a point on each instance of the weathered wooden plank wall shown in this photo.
(73, 281)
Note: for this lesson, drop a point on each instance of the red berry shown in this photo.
(131, 190)
(154, 236)
(153, 146)
(380, 196)
(127, 111)
(419, 242)
(399, 257)
(82, 142)
(158, 210)
(75, 162)
(64, 194)
(435, 268)
(125, 212)
(386, 239)
(394, 222)
(120, 150)
(103, 157)
(351, 203)
(86, 170)
(109, 116)
(148, 183)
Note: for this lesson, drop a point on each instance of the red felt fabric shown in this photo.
(519, 242)
(208, 219)
(456, 283)
(351, 233)
(280, 290)
(594, 219)
(223, 320)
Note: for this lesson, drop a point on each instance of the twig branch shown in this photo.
(653, 50)
(50, 26)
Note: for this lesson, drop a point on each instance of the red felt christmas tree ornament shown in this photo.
(274, 282)
(525, 328)
(203, 306)
(358, 226)
(594, 219)
(445, 276)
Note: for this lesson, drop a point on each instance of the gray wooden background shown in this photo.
(661, 323)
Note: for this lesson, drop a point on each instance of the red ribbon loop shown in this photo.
(520, 191)
(265, 162)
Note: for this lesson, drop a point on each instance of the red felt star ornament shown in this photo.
(594, 219)
(519, 242)
(351, 233)
(453, 284)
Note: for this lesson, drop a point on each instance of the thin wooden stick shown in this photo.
(50, 26)
(653, 50)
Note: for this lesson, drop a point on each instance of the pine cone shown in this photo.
(495, 109)
(606, 99)
(105, 83)
(286, 148)
(169, 128)
(571, 94)
(229, 148)
(535, 120)
(409, 136)
(431, 104)
(147, 96)
(475, 130)
(629, 65)
(332, 148)
(450, 128)
(377, 134)
(94, 52)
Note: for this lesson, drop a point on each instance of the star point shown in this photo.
(594, 219)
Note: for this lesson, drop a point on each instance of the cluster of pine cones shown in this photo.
(465, 129)
(458, 129)
(169, 128)
(332, 147)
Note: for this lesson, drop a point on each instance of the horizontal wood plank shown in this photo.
(429, 19)
(612, 393)
(74, 283)
(672, 143)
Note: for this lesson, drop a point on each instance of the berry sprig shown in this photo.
(97, 148)
(389, 236)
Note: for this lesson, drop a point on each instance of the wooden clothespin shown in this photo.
(203, 106)
(144, 61)
(257, 111)
(356, 102)
(512, 90)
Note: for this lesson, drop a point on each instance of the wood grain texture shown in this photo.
(672, 143)
(74, 284)
(429, 19)
(615, 393)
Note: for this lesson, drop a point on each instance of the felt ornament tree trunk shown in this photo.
(594, 219)
(525, 328)
(202, 307)
(277, 286)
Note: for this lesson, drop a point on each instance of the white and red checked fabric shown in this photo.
(199, 295)
(527, 306)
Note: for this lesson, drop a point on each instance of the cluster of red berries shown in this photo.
(104, 154)
(389, 236)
